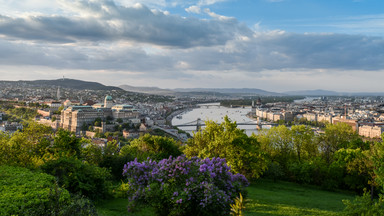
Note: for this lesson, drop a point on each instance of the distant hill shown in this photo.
(253, 91)
(67, 83)
(147, 90)
(318, 92)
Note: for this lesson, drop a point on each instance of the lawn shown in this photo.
(285, 198)
(264, 198)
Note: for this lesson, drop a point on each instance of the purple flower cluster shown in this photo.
(180, 185)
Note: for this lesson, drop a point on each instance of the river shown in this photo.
(216, 113)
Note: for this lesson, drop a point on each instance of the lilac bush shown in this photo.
(182, 186)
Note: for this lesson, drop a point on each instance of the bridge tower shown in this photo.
(259, 126)
(198, 125)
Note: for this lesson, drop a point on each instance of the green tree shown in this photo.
(66, 144)
(277, 142)
(303, 144)
(225, 140)
(377, 159)
(335, 137)
(154, 147)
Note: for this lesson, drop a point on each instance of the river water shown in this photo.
(216, 113)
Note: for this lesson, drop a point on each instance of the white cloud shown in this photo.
(217, 16)
(193, 9)
(209, 2)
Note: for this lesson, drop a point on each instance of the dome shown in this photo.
(108, 98)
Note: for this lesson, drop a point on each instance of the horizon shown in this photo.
(273, 45)
(174, 89)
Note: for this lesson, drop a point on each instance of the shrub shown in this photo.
(183, 186)
(22, 190)
(78, 177)
(364, 206)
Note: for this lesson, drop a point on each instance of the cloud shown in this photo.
(209, 2)
(193, 9)
(142, 43)
(105, 21)
(217, 16)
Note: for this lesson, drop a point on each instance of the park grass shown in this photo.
(265, 198)
(284, 198)
(118, 207)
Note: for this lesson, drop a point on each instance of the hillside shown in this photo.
(147, 90)
(64, 83)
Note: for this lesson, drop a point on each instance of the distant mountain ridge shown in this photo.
(321, 92)
(67, 83)
(147, 90)
(230, 91)
(317, 92)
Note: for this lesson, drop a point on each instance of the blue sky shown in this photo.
(276, 45)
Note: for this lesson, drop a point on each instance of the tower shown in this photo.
(108, 103)
(58, 93)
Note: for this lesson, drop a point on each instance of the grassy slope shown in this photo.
(264, 198)
(284, 198)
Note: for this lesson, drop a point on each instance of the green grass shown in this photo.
(265, 198)
(284, 198)
(118, 207)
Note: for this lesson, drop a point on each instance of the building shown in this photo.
(310, 116)
(79, 118)
(370, 131)
(352, 122)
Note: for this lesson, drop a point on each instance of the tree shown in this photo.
(377, 158)
(154, 147)
(97, 122)
(225, 140)
(66, 144)
(302, 138)
(278, 144)
(335, 137)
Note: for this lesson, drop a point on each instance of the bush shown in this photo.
(364, 206)
(22, 190)
(183, 186)
(78, 177)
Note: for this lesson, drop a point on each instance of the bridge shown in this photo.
(199, 123)
(208, 105)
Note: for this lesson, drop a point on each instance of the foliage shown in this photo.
(238, 206)
(377, 159)
(121, 191)
(77, 205)
(27, 148)
(225, 140)
(154, 147)
(66, 144)
(78, 177)
(183, 186)
(335, 137)
(364, 206)
(22, 190)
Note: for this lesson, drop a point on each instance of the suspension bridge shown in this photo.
(199, 123)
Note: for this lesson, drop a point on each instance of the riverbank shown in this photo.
(176, 113)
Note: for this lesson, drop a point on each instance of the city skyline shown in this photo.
(274, 45)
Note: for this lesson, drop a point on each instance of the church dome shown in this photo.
(108, 98)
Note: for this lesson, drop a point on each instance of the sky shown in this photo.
(274, 45)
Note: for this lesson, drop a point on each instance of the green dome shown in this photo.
(108, 98)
